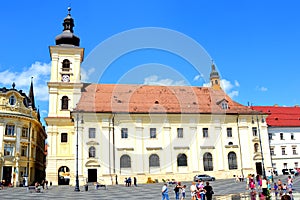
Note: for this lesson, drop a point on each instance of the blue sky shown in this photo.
(254, 44)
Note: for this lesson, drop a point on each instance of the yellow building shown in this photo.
(113, 131)
(22, 138)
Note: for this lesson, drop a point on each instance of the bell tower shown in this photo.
(65, 81)
(64, 93)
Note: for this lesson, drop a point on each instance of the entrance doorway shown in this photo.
(258, 168)
(7, 171)
(92, 175)
(63, 175)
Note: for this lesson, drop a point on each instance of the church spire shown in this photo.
(214, 77)
(67, 37)
(31, 95)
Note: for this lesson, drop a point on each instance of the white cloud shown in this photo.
(228, 87)
(85, 74)
(197, 77)
(233, 93)
(236, 83)
(40, 73)
(154, 80)
(261, 88)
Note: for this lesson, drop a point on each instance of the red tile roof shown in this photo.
(121, 98)
(281, 116)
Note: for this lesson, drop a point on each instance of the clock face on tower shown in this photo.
(65, 78)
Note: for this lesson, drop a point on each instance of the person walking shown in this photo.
(165, 192)
(193, 190)
(176, 190)
(208, 191)
(134, 181)
(183, 192)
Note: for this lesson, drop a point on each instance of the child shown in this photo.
(183, 192)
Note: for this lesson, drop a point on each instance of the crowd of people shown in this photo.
(198, 191)
(263, 186)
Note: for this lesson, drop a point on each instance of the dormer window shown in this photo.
(66, 65)
(224, 105)
(12, 100)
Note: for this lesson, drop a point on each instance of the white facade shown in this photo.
(284, 147)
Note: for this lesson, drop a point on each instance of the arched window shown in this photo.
(66, 65)
(232, 162)
(181, 160)
(92, 152)
(125, 161)
(256, 147)
(154, 160)
(64, 103)
(208, 162)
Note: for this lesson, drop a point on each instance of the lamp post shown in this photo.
(77, 189)
(259, 137)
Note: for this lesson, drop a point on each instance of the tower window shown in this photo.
(66, 65)
(64, 137)
(64, 103)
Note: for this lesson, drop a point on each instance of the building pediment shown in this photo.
(92, 163)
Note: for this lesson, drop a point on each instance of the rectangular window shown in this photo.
(254, 131)
(205, 132)
(8, 149)
(229, 132)
(270, 136)
(292, 136)
(124, 133)
(152, 132)
(281, 136)
(283, 150)
(272, 151)
(284, 165)
(24, 151)
(180, 132)
(92, 133)
(296, 164)
(24, 132)
(10, 130)
(64, 137)
(294, 150)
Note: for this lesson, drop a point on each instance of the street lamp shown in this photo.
(259, 136)
(77, 189)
